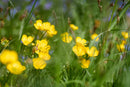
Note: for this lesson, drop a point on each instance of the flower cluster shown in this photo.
(45, 26)
(42, 49)
(10, 59)
(121, 47)
(80, 48)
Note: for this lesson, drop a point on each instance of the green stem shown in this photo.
(30, 14)
(114, 9)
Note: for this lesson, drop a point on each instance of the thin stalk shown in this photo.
(114, 9)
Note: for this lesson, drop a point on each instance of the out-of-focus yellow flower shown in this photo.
(81, 41)
(79, 49)
(72, 26)
(92, 52)
(39, 63)
(85, 63)
(93, 36)
(121, 47)
(4, 42)
(66, 38)
(16, 67)
(125, 34)
(27, 39)
(123, 42)
(51, 31)
(8, 56)
(46, 26)
(38, 25)
(44, 56)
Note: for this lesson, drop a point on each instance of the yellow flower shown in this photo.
(92, 52)
(51, 31)
(93, 36)
(44, 56)
(72, 26)
(46, 26)
(85, 63)
(27, 40)
(125, 34)
(79, 49)
(16, 67)
(42, 46)
(123, 42)
(66, 38)
(121, 47)
(39, 63)
(38, 25)
(81, 41)
(8, 56)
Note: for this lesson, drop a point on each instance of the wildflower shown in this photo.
(121, 47)
(39, 63)
(72, 26)
(66, 38)
(4, 42)
(85, 63)
(27, 39)
(8, 56)
(46, 26)
(42, 46)
(38, 25)
(125, 34)
(93, 36)
(51, 31)
(79, 49)
(16, 67)
(92, 52)
(44, 56)
(81, 41)
(123, 42)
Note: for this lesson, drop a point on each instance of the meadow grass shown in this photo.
(111, 68)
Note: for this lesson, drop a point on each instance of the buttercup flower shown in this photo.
(66, 38)
(38, 25)
(72, 26)
(121, 47)
(42, 46)
(125, 34)
(16, 67)
(81, 41)
(44, 56)
(51, 31)
(39, 63)
(93, 36)
(46, 26)
(27, 39)
(8, 56)
(92, 52)
(85, 63)
(123, 42)
(79, 49)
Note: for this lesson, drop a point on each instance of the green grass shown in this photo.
(63, 69)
